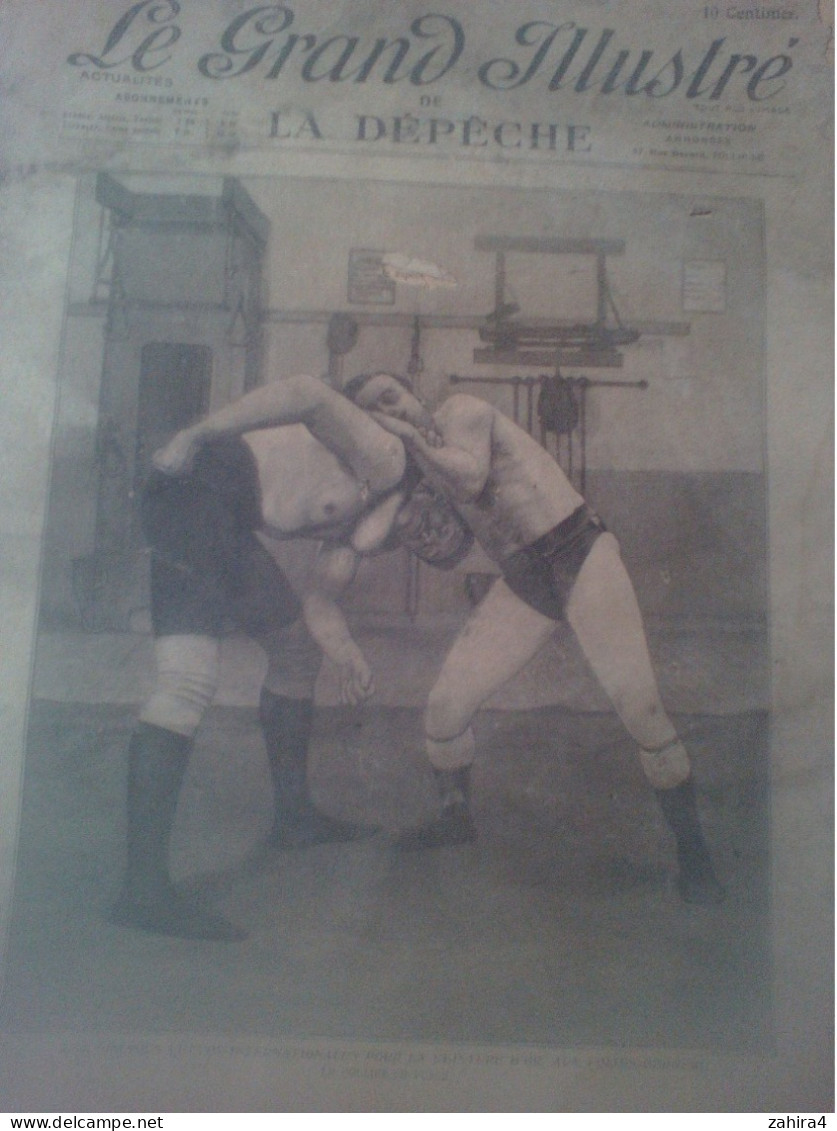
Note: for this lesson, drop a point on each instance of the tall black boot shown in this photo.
(157, 761)
(286, 725)
(454, 825)
(696, 882)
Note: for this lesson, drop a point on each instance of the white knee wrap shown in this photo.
(187, 679)
(666, 766)
(451, 753)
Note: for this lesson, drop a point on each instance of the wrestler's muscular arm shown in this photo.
(334, 570)
(375, 458)
(460, 464)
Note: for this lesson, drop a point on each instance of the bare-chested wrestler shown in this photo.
(314, 468)
(558, 563)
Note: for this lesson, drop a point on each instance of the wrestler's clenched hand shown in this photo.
(176, 457)
(356, 680)
(407, 431)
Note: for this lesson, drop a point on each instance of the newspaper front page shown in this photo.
(441, 869)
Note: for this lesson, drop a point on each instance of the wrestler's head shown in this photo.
(355, 385)
(429, 527)
(388, 393)
(427, 523)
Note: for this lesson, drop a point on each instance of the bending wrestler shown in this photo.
(558, 562)
(221, 492)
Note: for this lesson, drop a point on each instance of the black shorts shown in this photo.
(207, 565)
(544, 573)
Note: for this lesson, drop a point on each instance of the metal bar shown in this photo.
(593, 383)
(454, 321)
(588, 336)
(90, 310)
(547, 359)
(549, 246)
(587, 382)
(455, 379)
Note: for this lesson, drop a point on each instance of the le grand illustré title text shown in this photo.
(269, 42)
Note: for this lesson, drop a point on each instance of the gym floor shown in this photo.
(560, 926)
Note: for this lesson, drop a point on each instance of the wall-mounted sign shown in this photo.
(368, 280)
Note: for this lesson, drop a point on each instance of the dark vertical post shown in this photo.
(601, 289)
(500, 280)
(582, 428)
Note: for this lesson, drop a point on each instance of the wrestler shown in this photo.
(290, 459)
(558, 563)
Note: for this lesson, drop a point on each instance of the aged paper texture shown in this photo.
(593, 242)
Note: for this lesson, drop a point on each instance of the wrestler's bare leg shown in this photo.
(606, 619)
(501, 636)
(504, 633)
(604, 614)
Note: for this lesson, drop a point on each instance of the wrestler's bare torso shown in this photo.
(305, 489)
(524, 494)
(321, 463)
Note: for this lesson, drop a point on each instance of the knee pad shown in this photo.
(293, 662)
(451, 753)
(187, 679)
(667, 766)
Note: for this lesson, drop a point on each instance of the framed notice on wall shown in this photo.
(369, 283)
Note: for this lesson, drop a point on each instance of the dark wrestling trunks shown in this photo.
(207, 566)
(543, 573)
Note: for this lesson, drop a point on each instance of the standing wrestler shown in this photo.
(315, 468)
(558, 562)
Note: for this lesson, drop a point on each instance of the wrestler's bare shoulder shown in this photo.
(462, 410)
